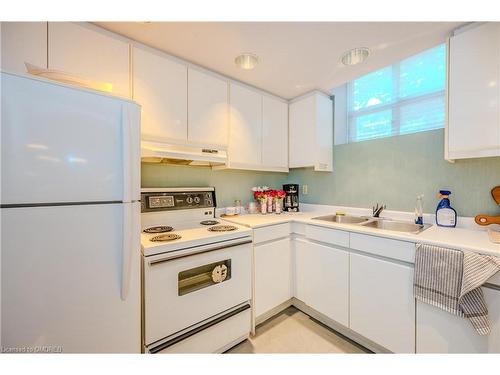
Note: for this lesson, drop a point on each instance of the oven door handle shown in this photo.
(172, 256)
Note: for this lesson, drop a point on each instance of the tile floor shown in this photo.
(292, 331)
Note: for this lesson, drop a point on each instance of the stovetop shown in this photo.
(175, 219)
(185, 235)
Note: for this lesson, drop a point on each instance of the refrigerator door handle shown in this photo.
(127, 154)
(128, 241)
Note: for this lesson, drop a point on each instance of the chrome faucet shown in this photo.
(378, 210)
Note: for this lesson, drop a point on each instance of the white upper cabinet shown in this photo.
(274, 133)
(160, 87)
(207, 109)
(474, 83)
(311, 132)
(245, 136)
(258, 136)
(23, 42)
(90, 53)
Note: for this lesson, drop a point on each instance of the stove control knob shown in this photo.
(196, 200)
(189, 200)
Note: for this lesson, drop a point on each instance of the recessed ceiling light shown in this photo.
(246, 61)
(355, 56)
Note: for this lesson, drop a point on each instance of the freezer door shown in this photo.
(63, 144)
(71, 278)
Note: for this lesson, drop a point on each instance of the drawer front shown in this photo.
(216, 338)
(327, 235)
(271, 232)
(400, 250)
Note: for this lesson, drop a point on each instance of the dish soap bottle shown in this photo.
(446, 216)
(419, 210)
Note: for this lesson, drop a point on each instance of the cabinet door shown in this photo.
(245, 139)
(89, 53)
(274, 132)
(302, 152)
(322, 279)
(160, 87)
(272, 275)
(23, 42)
(382, 303)
(473, 123)
(441, 332)
(324, 133)
(207, 109)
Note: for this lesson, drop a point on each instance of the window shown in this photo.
(403, 98)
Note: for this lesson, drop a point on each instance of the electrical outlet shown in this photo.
(304, 189)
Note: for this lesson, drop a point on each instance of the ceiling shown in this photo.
(295, 57)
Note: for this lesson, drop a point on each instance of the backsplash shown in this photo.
(229, 184)
(395, 170)
(389, 170)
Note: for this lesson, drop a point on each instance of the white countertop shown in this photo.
(457, 238)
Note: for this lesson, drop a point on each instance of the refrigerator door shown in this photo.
(62, 144)
(71, 278)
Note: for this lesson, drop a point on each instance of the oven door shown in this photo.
(183, 288)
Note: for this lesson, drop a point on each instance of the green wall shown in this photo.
(395, 170)
(229, 184)
(388, 170)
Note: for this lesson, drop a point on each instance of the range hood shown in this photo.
(156, 152)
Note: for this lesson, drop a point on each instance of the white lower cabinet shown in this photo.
(322, 279)
(382, 307)
(440, 332)
(273, 265)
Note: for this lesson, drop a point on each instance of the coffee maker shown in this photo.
(291, 203)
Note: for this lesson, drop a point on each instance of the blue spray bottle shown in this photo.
(446, 216)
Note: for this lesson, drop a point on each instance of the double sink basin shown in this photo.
(376, 223)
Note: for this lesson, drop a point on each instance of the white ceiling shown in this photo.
(295, 57)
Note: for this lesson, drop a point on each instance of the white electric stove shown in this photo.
(196, 273)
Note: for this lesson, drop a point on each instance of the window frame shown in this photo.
(394, 107)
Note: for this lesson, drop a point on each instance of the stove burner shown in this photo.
(158, 229)
(165, 237)
(209, 222)
(222, 228)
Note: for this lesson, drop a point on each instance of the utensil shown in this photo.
(487, 220)
(495, 193)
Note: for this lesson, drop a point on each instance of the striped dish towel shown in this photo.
(451, 280)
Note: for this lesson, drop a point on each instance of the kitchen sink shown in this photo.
(397, 226)
(376, 223)
(342, 219)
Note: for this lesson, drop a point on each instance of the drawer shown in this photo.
(385, 247)
(327, 235)
(216, 338)
(271, 232)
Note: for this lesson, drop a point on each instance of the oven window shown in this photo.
(204, 276)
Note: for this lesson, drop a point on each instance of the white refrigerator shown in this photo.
(70, 231)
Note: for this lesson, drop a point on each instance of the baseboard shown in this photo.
(274, 311)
